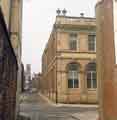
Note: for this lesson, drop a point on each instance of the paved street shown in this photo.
(39, 109)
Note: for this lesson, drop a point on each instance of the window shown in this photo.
(91, 76)
(91, 79)
(73, 81)
(92, 42)
(73, 41)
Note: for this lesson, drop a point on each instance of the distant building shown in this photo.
(69, 61)
(28, 77)
(23, 79)
(36, 79)
(40, 84)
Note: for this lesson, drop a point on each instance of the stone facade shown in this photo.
(67, 60)
(28, 77)
(106, 62)
(22, 79)
(36, 81)
(40, 82)
(6, 9)
(12, 12)
(8, 74)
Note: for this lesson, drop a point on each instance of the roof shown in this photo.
(75, 21)
(74, 17)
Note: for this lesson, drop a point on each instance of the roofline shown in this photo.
(46, 46)
(74, 17)
(98, 3)
(53, 28)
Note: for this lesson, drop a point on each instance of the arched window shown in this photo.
(91, 75)
(73, 81)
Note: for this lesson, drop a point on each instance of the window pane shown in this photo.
(88, 75)
(73, 36)
(94, 83)
(94, 80)
(91, 42)
(73, 41)
(94, 75)
(73, 67)
(89, 83)
(91, 67)
(70, 83)
(70, 75)
(73, 45)
(89, 80)
(76, 83)
(75, 74)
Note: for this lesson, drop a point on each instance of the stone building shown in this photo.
(36, 81)
(28, 77)
(12, 12)
(8, 74)
(22, 79)
(40, 83)
(106, 19)
(69, 60)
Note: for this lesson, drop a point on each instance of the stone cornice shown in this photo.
(99, 2)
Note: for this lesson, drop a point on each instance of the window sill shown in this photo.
(91, 89)
(73, 88)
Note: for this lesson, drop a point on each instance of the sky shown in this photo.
(38, 19)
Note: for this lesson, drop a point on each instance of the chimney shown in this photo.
(64, 12)
(58, 11)
(81, 14)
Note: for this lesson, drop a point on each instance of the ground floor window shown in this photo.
(73, 83)
(91, 75)
(73, 75)
(91, 79)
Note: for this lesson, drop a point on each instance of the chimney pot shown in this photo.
(82, 14)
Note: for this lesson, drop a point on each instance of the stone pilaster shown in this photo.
(106, 60)
(83, 93)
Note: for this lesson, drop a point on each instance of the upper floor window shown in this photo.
(92, 42)
(73, 41)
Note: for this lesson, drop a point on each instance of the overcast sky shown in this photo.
(38, 19)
